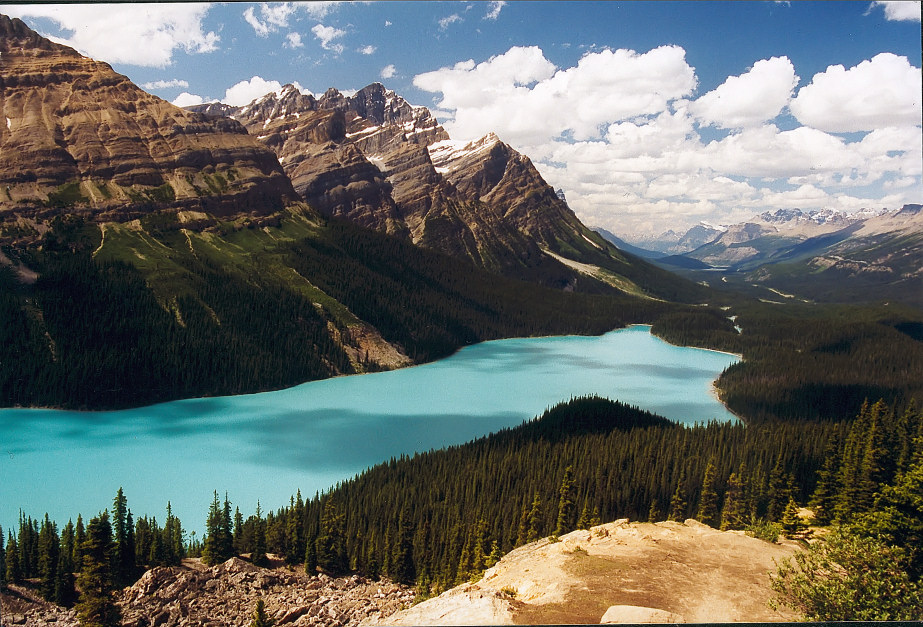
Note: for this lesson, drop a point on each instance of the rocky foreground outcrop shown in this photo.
(226, 595)
(619, 572)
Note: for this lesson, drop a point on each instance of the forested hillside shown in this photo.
(807, 362)
(439, 518)
(125, 316)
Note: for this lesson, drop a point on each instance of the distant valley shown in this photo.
(819, 256)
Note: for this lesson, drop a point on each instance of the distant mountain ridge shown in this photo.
(823, 255)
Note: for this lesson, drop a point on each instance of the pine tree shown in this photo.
(79, 538)
(13, 570)
(522, 529)
(583, 522)
(535, 520)
(226, 538)
(64, 592)
(331, 542)
(823, 499)
(733, 513)
(49, 547)
(678, 500)
(653, 513)
(792, 524)
(258, 554)
(402, 563)
(2, 560)
(123, 561)
(294, 531)
(96, 607)
(780, 490)
(259, 616)
(708, 499)
(172, 539)
(565, 503)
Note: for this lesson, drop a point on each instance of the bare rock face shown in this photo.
(376, 160)
(77, 136)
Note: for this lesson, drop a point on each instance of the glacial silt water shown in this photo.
(266, 446)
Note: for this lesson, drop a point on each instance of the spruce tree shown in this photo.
(259, 616)
(123, 562)
(708, 499)
(583, 522)
(733, 513)
(780, 490)
(522, 529)
(64, 593)
(792, 524)
(49, 548)
(258, 554)
(535, 520)
(565, 503)
(79, 538)
(13, 570)
(678, 500)
(331, 542)
(823, 499)
(96, 607)
(218, 546)
(2, 560)
(402, 563)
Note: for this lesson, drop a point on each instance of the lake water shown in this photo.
(266, 446)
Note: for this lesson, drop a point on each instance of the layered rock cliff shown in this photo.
(77, 136)
(374, 159)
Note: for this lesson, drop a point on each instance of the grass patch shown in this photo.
(66, 195)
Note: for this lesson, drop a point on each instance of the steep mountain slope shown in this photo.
(79, 136)
(378, 161)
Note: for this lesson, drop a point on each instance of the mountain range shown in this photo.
(375, 160)
(871, 255)
(224, 250)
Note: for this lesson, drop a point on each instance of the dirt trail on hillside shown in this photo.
(687, 572)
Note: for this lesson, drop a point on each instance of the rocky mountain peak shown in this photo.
(81, 138)
(288, 101)
(15, 34)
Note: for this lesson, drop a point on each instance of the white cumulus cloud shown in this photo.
(524, 97)
(902, 10)
(327, 35)
(367, 50)
(245, 92)
(621, 132)
(751, 98)
(186, 99)
(388, 71)
(143, 34)
(879, 92)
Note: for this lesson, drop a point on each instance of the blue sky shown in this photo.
(650, 115)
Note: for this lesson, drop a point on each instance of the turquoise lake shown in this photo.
(266, 446)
